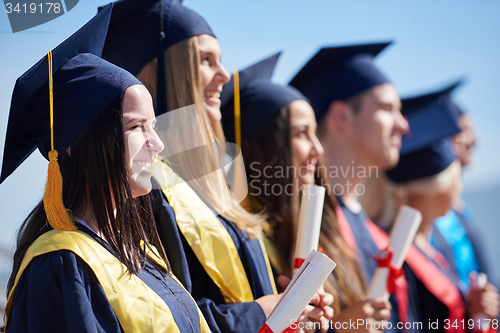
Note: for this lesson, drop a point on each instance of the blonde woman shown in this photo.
(427, 178)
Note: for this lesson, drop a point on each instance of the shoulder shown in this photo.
(59, 292)
(51, 270)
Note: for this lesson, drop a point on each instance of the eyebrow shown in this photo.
(301, 123)
(389, 105)
(141, 120)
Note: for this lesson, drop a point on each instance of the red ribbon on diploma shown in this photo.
(394, 273)
(267, 329)
(299, 261)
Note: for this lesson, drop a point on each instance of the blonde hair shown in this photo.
(183, 82)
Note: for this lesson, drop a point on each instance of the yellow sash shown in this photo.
(137, 307)
(207, 237)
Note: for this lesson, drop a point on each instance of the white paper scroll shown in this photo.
(310, 215)
(480, 281)
(309, 278)
(402, 235)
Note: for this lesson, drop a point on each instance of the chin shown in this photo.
(141, 186)
(213, 113)
(389, 160)
(307, 180)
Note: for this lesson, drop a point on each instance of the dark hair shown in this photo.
(270, 145)
(95, 179)
(267, 146)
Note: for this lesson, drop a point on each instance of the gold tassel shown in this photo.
(237, 111)
(58, 216)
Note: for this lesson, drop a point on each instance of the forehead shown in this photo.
(301, 112)
(384, 94)
(137, 103)
(207, 43)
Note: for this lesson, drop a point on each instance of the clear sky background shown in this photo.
(435, 43)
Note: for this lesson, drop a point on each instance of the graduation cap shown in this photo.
(141, 30)
(250, 98)
(55, 100)
(134, 30)
(432, 118)
(337, 73)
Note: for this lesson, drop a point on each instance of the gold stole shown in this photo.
(207, 237)
(123, 290)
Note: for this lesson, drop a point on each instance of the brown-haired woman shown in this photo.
(88, 257)
(281, 154)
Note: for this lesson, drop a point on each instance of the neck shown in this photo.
(347, 172)
(88, 217)
(426, 205)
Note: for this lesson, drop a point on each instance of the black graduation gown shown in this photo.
(58, 292)
(429, 307)
(221, 317)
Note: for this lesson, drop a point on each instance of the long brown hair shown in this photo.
(183, 84)
(95, 179)
(269, 146)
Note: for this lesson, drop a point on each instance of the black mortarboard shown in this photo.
(427, 149)
(134, 30)
(83, 85)
(337, 73)
(259, 98)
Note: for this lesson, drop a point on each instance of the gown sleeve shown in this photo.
(237, 317)
(58, 292)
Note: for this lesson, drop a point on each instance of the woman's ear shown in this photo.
(68, 151)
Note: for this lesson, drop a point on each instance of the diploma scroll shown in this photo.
(391, 259)
(480, 281)
(310, 216)
(309, 278)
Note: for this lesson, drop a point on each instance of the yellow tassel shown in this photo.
(58, 216)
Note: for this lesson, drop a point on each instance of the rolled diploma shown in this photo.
(311, 275)
(480, 282)
(310, 216)
(402, 235)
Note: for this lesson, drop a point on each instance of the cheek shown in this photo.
(385, 122)
(206, 76)
(299, 151)
(133, 144)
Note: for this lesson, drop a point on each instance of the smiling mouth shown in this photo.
(396, 141)
(143, 164)
(213, 94)
(311, 166)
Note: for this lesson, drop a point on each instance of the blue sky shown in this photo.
(435, 42)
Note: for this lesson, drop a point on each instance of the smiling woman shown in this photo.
(142, 144)
(90, 249)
